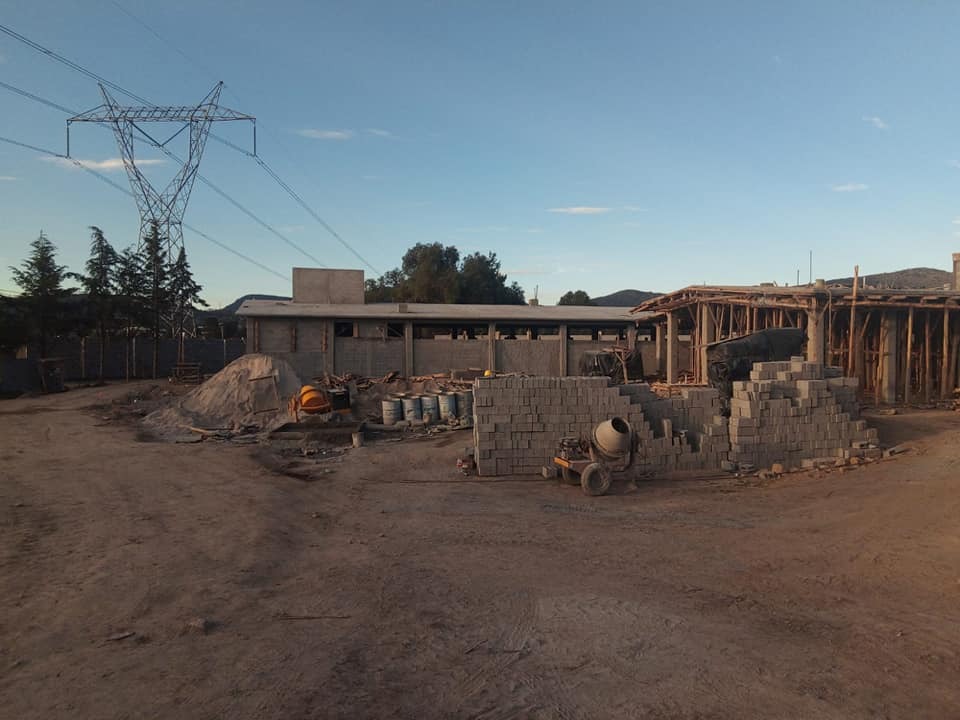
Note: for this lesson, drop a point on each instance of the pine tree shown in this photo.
(133, 293)
(183, 291)
(41, 280)
(155, 270)
(99, 283)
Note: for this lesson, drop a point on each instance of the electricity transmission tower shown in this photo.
(165, 207)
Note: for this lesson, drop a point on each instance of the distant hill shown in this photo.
(909, 279)
(625, 298)
(231, 309)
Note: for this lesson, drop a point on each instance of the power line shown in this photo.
(100, 176)
(153, 143)
(286, 187)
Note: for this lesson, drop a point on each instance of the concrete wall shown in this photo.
(534, 357)
(317, 285)
(275, 335)
(368, 356)
(430, 356)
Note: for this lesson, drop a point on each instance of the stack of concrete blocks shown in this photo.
(519, 421)
(788, 413)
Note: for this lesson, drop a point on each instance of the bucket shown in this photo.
(430, 407)
(392, 411)
(465, 403)
(412, 410)
(448, 406)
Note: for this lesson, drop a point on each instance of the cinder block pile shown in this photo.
(789, 413)
(519, 421)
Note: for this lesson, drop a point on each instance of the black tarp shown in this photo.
(732, 360)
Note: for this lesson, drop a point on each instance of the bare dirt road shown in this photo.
(393, 587)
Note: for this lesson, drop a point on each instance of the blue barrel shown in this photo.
(465, 403)
(430, 407)
(448, 406)
(412, 410)
(392, 411)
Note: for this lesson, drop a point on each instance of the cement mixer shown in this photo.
(591, 462)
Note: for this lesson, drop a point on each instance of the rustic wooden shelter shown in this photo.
(901, 344)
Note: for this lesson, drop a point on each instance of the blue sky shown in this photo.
(598, 145)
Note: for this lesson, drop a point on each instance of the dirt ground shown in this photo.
(387, 585)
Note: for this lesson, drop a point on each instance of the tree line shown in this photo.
(123, 293)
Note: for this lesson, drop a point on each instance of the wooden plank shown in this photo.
(945, 388)
(928, 358)
(909, 370)
(851, 366)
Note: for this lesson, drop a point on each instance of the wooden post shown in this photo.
(909, 368)
(851, 367)
(945, 358)
(928, 357)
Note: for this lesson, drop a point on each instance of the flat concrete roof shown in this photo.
(439, 312)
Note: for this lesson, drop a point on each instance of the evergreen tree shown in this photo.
(99, 283)
(41, 279)
(156, 271)
(133, 294)
(183, 292)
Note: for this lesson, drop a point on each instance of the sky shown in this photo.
(595, 146)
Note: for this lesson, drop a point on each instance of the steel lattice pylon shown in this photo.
(166, 207)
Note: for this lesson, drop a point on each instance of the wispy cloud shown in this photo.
(530, 271)
(850, 187)
(320, 134)
(534, 230)
(379, 132)
(878, 123)
(778, 60)
(289, 229)
(108, 165)
(580, 210)
(635, 208)
(7, 178)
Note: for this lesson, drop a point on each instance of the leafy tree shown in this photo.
(431, 274)
(482, 282)
(575, 297)
(156, 271)
(183, 292)
(41, 279)
(99, 283)
(434, 273)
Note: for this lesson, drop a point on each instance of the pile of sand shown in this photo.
(233, 399)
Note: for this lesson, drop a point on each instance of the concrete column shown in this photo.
(659, 338)
(673, 348)
(708, 332)
(889, 337)
(564, 351)
(329, 344)
(815, 336)
(492, 347)
(407, 348)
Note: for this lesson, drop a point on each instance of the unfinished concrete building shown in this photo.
(902, 345)
(328, 328)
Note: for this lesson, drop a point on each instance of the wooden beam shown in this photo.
(851, 368)
(928, 358)
(909, 369)
(945, 357)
